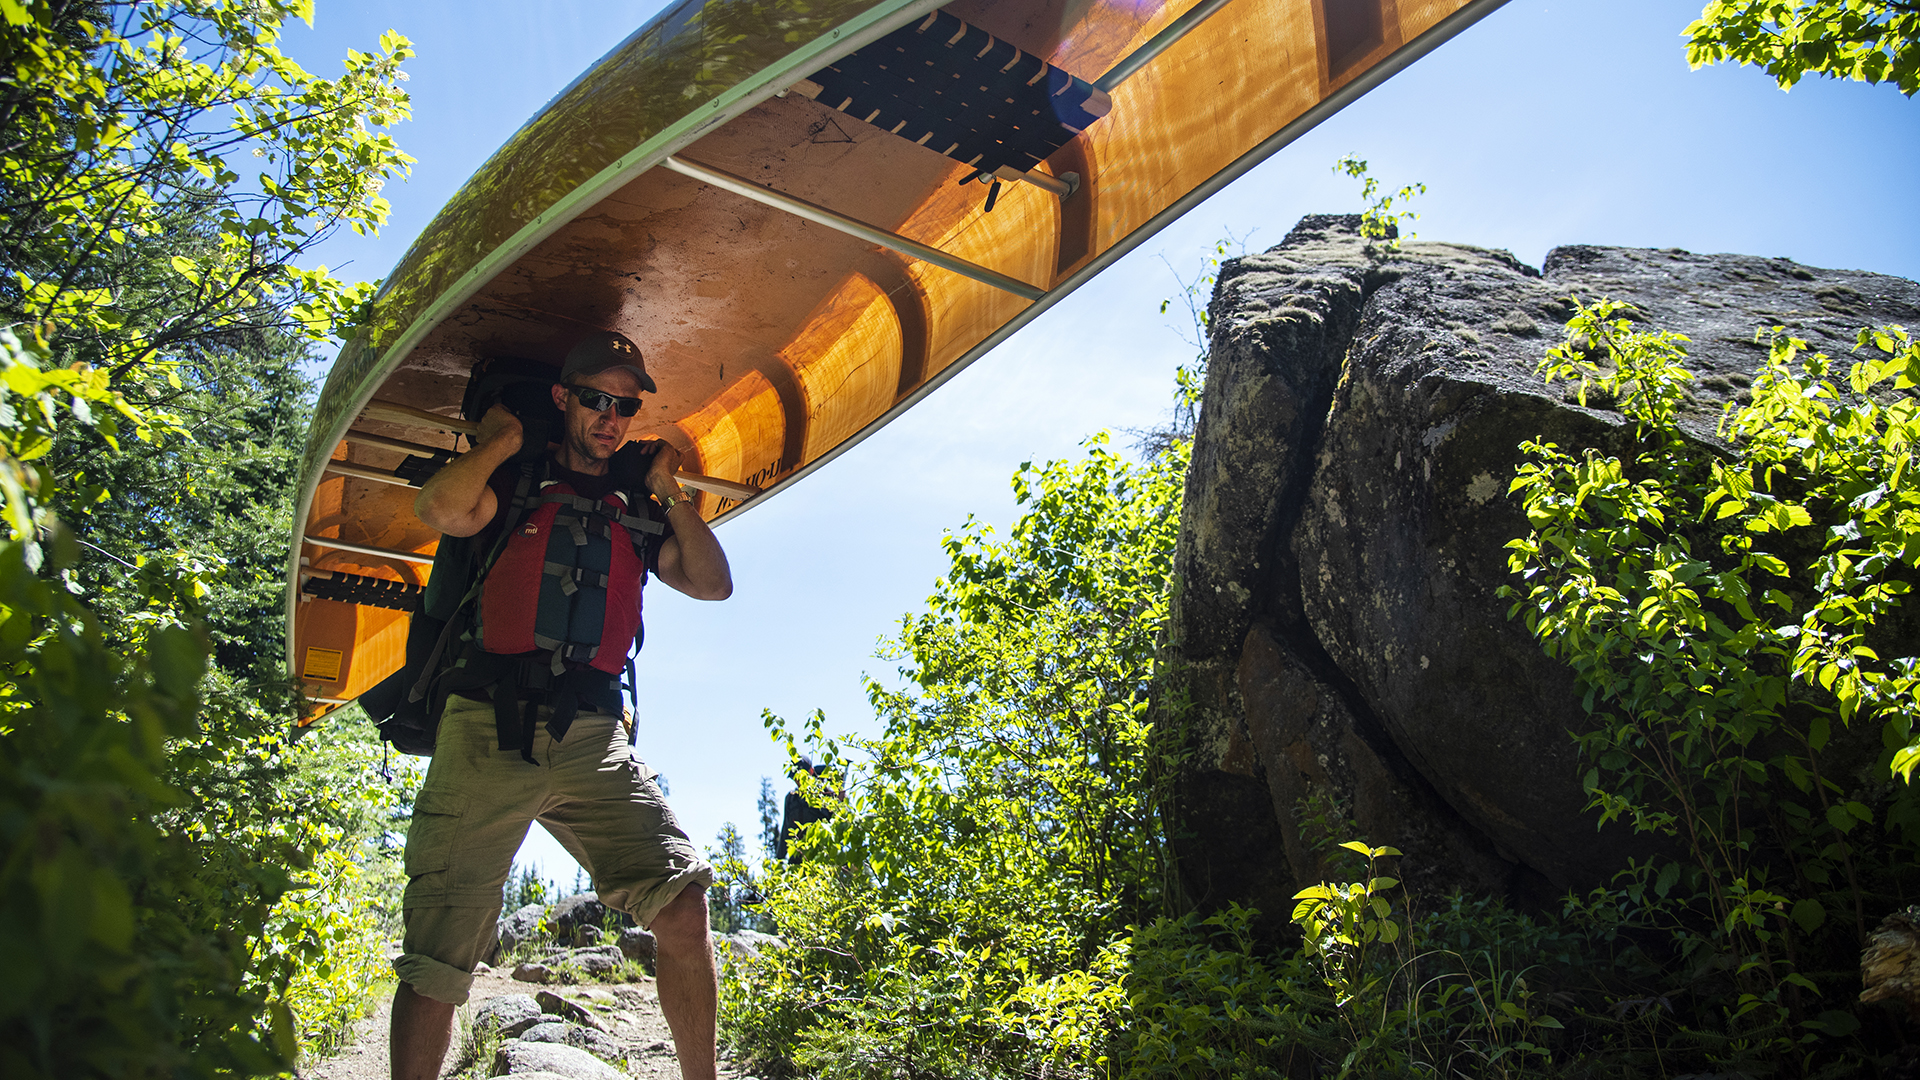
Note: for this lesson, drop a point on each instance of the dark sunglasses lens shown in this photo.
(601, 402)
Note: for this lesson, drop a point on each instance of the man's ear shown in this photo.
(560, 397)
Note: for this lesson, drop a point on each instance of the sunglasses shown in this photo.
(600, 401)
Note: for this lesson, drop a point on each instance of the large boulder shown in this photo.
(596, 961)
(520, 927)
(574, 913)
(638, 946)
(1342, 657)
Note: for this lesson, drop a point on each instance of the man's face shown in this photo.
(594, 436)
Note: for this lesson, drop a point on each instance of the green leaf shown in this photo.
(1669, 876)
(1840, 819)
(1835, 1023)
(1808, 915)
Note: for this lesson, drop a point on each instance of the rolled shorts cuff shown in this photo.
(646, 907)
(431, 978)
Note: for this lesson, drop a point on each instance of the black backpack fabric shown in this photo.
(523, 387)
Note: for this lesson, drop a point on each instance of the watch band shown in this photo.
(676, 498)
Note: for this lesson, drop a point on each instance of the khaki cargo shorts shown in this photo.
(589, 790)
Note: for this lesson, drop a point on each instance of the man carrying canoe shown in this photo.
(536, 732)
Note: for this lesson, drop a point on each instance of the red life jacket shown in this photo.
(568, 580)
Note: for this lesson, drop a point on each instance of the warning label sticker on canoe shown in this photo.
(323, 665)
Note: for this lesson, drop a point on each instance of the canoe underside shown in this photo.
(778, 341)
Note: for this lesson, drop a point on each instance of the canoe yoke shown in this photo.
(957, 90)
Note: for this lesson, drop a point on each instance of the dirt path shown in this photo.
(630, 1012)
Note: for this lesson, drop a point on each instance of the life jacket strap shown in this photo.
(572, 577)
(606, 509)
(456, 627)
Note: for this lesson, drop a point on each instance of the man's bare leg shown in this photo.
(689, 990)
(418, 1035)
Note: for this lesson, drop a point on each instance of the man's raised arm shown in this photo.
(456, 500)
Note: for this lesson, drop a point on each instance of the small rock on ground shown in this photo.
(518, 1057)
(555, 1005)
(598, 1043)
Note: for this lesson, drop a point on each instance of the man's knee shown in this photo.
(683, 922)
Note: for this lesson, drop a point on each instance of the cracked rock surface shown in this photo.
(1336, 633)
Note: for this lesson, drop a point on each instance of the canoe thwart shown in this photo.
(368, 549)
(395, 413)
(820, 215)
(714, 485)
(381, 442)
(1157, 44)
(378, 476)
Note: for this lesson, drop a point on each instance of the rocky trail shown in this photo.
(581, 1011)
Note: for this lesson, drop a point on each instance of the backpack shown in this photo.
(524, 387)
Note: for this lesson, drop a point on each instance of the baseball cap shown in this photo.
(605, 351)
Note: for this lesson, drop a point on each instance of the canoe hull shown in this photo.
(778, 342)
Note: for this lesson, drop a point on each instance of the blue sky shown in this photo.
(1546, 124)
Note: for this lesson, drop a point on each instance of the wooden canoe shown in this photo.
(787, 207)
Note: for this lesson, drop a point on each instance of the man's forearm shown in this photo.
(449, 500)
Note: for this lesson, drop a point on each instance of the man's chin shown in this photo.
(592, 450)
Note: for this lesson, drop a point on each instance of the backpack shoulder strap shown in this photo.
(456, 623)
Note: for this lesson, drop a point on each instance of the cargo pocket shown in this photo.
(436, 825)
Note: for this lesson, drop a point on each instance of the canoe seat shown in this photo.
(957, 90)
(366, 591)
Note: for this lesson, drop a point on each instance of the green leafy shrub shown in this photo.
(333, 928)
(185, 892)
(964, 912)
(124, 962)
(1470, 989)
(1734, 613)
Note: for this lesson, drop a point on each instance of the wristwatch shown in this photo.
(668, 502)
